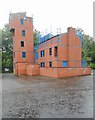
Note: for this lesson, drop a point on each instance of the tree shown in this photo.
(36, 32)
(88, 47)
(7, 49)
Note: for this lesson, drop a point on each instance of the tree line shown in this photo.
(6, 48)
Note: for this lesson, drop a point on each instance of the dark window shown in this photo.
(23, 32)
(22, 43)
(42, 53)
(50, 51)
(64, 63)
(23, 54)
(50, 64)
(42, 64)
(55, 51)
(21, 21)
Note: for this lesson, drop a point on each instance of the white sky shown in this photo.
(58, 13)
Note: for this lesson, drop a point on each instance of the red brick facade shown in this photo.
(59, 56)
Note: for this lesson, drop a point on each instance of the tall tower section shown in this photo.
(23, 45)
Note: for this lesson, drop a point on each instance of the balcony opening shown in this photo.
(50, 64)
(56, 51)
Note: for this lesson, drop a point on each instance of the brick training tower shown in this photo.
(23, 46)
(55, 55)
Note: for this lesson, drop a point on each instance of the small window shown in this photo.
(50, 64)
(23, 32)
(22, 43)
(42, 64)
(23, 54)
(64, 63)
(55, 51)
(42, 53)
(21, 21)
(50, 51)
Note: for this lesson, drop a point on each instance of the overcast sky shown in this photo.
(55, 13)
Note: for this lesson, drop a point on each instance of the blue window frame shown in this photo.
(23, 54)
(42, 64)
(36, 55)
(21, 21)
(42, 53)
(23, 32)
(64, 63)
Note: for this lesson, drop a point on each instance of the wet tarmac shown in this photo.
(46, 97)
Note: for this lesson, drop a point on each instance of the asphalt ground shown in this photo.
(46, 97)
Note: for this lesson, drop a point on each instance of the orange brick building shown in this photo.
(55, 56)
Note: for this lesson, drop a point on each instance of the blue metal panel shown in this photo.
(36, 55)
(84, 63)
(64, 63)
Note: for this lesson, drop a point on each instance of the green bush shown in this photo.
(92, 65)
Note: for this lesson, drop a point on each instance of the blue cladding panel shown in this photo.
(84, 63)
(64, 63)
(44, 38)
(36, 55)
